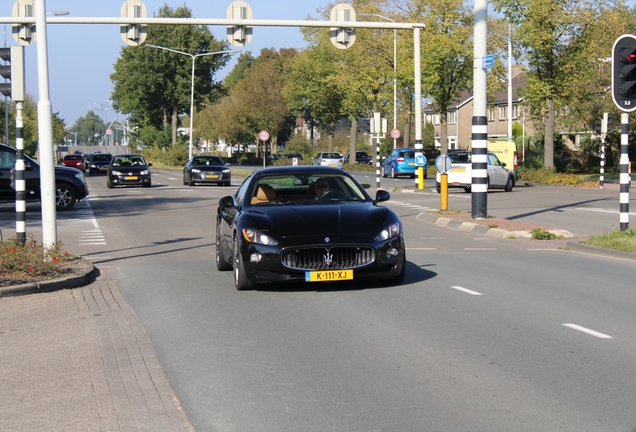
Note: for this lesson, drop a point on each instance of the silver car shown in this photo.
(332, 159)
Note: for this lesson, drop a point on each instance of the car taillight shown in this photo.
(514, 161)
(399, 160)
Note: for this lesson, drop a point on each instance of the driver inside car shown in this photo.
(321, 187)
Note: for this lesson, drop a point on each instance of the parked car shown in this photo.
(275, 229)
(73, 161)
(70, 184)
(206, 169)
(332, 159)
(292, 156)
(362, 157)
(97, 163)
(401, 161)
(460, 175)
(128, 170)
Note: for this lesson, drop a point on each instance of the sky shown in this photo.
(81, 56)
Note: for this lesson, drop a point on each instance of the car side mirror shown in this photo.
(503, 164)
(382, 195)
(227, 201)
(150, 164)
(227, 164)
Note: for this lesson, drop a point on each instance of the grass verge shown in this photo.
(617, 239)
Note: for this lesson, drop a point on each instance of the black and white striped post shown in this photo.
(479, 138)
(20, 182)
(603, 136)
(624, 173)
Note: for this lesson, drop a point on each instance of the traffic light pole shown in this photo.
(624, 173)
(20, 178)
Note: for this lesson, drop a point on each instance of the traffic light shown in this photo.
(624, 73)
(14, 72)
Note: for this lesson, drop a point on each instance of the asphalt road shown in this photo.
(485, 334)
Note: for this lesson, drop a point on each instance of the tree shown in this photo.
(558, 38)
(87, 127)
(154, 85)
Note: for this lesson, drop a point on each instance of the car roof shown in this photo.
(300, 169)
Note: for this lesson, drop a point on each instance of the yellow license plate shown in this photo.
(458, 169)
(130, 178)
(211, 176)
(333, 165)
(411, 163)
(104, 168)
(328, 276)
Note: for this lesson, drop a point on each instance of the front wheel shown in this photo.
(222, 263)
(393, 173)
(509, 184)
(65, 197)
(438, 187)
(382, 172)
(240, 281)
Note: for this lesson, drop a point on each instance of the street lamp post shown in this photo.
(394, 72)
(193, 56)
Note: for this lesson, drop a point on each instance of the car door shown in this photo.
(497, 174)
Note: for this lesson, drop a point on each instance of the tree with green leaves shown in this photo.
(560, 42)
(154, 85)
(86, 127)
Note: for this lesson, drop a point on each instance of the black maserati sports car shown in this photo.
(307, 224)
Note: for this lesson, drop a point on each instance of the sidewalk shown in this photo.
(79, 360)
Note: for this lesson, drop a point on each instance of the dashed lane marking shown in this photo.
(588, 331)
(466, 290)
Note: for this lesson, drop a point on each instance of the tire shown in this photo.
(509, 184)
(109, 185)
(147, 185)
(393, 173)
(65, 196)
(438, 187)
(467, 189)
(190, 182)
(399, 279)
(382, 172)
(240, 281)
(184, 180)
(222, 263)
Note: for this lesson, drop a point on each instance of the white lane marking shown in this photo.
(601, 210)
(588, 331)
(432, 238)
(467, 291)
(421, 248)
(480, 249)
(546, 249)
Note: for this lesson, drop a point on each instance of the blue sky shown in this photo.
(81, 56)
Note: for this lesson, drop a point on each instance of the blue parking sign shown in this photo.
(420, 160)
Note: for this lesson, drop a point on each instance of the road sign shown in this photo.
(443, 164)
(263, 135)
(395, 133)
(420, 160)
(488, 61)
(133, 34)
(109, 131)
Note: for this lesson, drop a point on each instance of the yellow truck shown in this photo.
(506, 152)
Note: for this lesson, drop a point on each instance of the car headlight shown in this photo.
(389, 232)
(113, 172)
(144, 172)
(226, 171)
(80, 177)
(254, 236)
(196, 171)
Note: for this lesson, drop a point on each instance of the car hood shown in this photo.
(66, 170)
(320, 220)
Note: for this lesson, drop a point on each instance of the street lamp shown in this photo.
(394, 71)
(193, 56)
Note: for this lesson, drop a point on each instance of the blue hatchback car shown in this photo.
(401, 161)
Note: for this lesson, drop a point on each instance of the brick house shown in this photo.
(460, 116)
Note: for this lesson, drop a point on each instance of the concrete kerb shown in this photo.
(84, 278)
(483, 229)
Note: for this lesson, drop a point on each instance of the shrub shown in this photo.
(31, 259)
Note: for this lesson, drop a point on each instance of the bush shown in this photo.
(31, 259)
(552, 177)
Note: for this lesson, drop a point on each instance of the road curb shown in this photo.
(483, 229)
(84, 278)
(597, 250)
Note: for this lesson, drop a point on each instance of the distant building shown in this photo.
(460, 115)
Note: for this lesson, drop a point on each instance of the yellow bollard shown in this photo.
(443, 192)
(420, 178)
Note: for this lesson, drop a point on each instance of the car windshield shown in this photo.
(129, 160)
(298, 189)
(362, 154)
(407, 154)
(460, 157)
(207, 161)
(102, 158)
(73, 157)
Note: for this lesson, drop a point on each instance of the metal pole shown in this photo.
(20, 180)
(418, 96)
(624, 173)
(603, 135)
(45, 133)
(394, 84)
(6, 100)
(479, 187)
